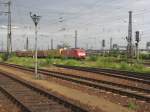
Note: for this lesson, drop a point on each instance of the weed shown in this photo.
(124, 66)
(93, 58)
(132, 106)
(4, 57)
(72, 62)
(92, 61)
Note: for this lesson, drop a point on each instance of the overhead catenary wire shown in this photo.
(77, 15)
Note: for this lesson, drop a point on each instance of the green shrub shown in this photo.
(72, 63)
(49, 60)
(124, 66)
(105, 62)
(138, 67)
(93, 58)
(4, 57)
(145, 56)
(132, 106)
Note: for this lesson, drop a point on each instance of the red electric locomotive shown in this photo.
(74, 53)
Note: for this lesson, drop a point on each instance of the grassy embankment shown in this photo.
(92, 61)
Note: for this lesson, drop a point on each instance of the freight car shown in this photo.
(24, 53)
(69, 53)
(40, 53)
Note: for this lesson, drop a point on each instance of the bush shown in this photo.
(49, 60)
(124, 66)
(4, 57)
(114, 53)
(93, 58)
(72, 63)
(138, 67)
(145, 56)
(106, 62)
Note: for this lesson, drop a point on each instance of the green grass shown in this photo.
(132, 106)
(93, 61)
(22, 61)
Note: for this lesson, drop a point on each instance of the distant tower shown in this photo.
(52, 44)
(76, 34)
(27, 44)
(111, 44)
(2, 46)
(129, 38)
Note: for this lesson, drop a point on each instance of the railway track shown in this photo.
(6, 105)
(140, 77)
(147, 64)
(31, 98)
(130, 91)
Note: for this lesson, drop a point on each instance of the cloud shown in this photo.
(5, 27)
(89, 17)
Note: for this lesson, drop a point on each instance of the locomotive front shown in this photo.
(81, 53)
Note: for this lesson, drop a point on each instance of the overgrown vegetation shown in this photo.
(4, 57)
(91, 61)
(93, 58)
(145, 56)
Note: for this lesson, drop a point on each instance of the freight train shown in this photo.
(66, 53)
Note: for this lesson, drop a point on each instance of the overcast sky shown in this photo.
(94, 19)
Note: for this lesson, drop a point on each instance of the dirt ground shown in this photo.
(97, 103)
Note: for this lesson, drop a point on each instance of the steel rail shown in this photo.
(108, 86)
(43, 92)
(113, 73)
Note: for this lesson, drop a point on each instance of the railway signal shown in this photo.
(103, 46)
(148, 46)
(137, 39)
(103, 43)
(36, 20)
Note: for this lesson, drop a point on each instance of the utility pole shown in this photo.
(48, 47)
(76, 34)
(27, 44)
(36, 20)
(87, 46)
(52, 44)
(2, 44)
(9, 38)
(129, 38)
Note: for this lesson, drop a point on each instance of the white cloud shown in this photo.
(92, 18)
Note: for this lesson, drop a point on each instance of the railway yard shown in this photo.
(82, 89)
(74, 56)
